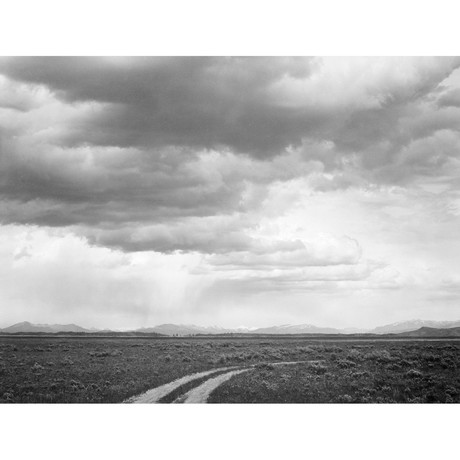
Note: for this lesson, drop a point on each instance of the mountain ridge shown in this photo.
(412, 325)
(433, 332)
(26, 326)
(170, 329)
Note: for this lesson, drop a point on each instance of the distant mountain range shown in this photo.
(433, 332)
(416, 328)
(297, 329)
(406, 326)
(188, 329)
(46, 328)
(179, 329)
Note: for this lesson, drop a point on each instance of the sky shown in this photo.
(229, 191)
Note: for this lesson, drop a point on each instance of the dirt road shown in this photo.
(200, 393)
(154, 395)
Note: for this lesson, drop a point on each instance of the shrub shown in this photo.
(346, 363)
(380, 356)
(8, 396)
(394, 367)
(345, 399)
(354, 355)
(318, 367)
(270, 386)
(452, 391)
(101, 354)
(37, 367)
(447, 363)
(431, 398)
(305, 350)
(265, 366)
(359, 374)
(414, 373)
(332, 349)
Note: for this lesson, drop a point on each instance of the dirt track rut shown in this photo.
(154, 395)
(201, 393)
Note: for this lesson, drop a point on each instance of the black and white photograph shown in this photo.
(230, 230)
(272, 230)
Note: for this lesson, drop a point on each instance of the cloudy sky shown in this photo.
(229, 191)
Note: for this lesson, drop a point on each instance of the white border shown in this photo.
(240, 27)
(229, 431)
(352, 27)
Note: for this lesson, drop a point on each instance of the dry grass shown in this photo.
(81, 369)
(380, 372)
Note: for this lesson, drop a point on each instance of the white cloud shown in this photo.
(135, 191)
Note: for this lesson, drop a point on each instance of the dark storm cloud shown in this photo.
(450, 99)
(173, 154)
(198, 102)
(249, 105)
(165, 182)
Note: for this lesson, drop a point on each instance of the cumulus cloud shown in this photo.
(199, 102)
(323, 251)
(286, 174)
(146, 142)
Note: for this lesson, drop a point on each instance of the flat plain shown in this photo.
(76, 369)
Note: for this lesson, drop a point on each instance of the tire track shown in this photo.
(201, 393)
(154, 395)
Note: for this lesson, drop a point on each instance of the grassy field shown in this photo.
(82, 369)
